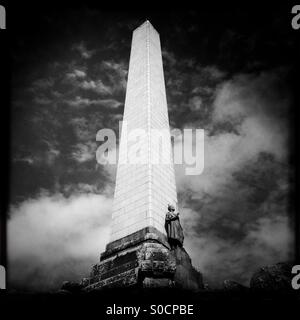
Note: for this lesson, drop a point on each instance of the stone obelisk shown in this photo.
(138, 252)
(143, 190)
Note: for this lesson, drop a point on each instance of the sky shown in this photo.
(227, 72)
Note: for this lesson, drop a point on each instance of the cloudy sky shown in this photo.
(229, 73)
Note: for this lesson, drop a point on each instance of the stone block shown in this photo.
(145, 261)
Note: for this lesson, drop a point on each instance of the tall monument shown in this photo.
(138, 252)
(144, 190)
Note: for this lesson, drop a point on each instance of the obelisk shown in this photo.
(138, 252)
(144, 190)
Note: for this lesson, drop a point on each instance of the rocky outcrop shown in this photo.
(272, 278)
(186, 276)
(70, 286)
(233, 286)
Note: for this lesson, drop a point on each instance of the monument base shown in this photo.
(144, 259)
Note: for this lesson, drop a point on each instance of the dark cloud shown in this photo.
(236, 212)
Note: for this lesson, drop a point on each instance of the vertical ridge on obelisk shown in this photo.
(143, 190)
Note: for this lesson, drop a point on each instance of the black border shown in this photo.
(29, 12)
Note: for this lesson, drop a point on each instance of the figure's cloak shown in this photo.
(173, 227)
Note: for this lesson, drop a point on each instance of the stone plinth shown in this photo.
(144, 259)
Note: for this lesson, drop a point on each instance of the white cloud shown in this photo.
(85, 151)
(76, 73)
(110, 103)
(83, 51)
(79, 101)
(195, 103)
(97, 86)
(119, 67)
(46, 233)
(47, 157)
(212, 71)
(42, 100)
(169, 57)
(43, 83)
(259, 131)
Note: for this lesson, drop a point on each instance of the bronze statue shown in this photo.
(173, 228)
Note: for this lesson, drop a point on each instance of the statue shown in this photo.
(173, 228)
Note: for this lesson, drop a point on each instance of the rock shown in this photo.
(230, 285)
(85, 282)
(71, 286)
(206, 287)
(63, 292)
(186, 276)
(276, 277)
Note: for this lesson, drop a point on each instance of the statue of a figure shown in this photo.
(173, 228)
